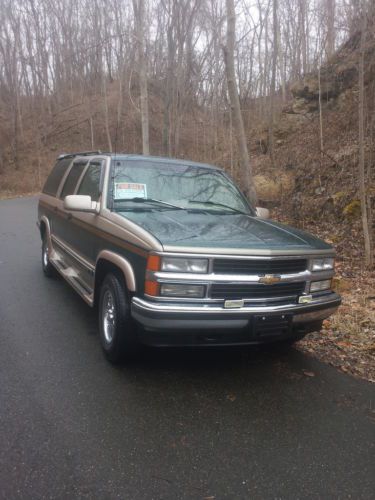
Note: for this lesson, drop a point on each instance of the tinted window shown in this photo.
(91, 182)
(52, 183)
(72, 179)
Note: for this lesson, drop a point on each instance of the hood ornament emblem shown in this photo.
(270, 279)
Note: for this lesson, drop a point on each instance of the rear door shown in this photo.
(69, 262)
(48, 201)
(85, 235)
(78, 236)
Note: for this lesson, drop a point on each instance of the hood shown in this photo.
(182, 228)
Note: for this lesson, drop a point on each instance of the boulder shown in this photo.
(339, 198)
(352, 210)
(288, 124)
(270, 187)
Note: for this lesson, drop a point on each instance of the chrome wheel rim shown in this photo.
(45, 255)
(109, 316)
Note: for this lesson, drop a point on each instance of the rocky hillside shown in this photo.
(313, 188)
(318, 190)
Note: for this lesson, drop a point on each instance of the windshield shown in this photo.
(174, 186)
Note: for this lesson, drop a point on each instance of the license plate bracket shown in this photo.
(274, 325)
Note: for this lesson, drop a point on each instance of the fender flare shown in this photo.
(44, 220)
(123, 264)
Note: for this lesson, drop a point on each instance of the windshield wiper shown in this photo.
(212, 203)
(149, 200)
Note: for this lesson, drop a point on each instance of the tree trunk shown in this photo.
(273, 84)
(331, 7)
(245, 168)
(320, 116)
(139, 14)
(369, 257)
(106, 117)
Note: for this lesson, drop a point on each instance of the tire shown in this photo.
(117, 330)
(47, 267)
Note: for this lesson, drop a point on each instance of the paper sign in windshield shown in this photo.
(129, 190)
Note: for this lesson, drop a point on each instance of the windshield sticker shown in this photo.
(129, 190)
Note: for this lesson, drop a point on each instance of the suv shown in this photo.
(172, 253)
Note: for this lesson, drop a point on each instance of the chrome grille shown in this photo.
(256, 291)
(259, 267)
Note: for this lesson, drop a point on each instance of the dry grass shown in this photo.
(347, 339)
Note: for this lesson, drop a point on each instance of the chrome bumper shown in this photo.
(157, 316)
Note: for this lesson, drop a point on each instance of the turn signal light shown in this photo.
(152, 288)
(153, 263)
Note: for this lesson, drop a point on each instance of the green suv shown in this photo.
(172, 254)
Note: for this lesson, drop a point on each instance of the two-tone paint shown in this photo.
(80, 244)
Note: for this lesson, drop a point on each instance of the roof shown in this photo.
(162, 159)
(153, 159)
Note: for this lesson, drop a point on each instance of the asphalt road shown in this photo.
(194, 425)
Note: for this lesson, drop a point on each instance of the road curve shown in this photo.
(176, 425)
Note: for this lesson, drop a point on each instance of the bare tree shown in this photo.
(331, 36)
(245, 167)
(273, 83)
(367, 230)
(139, 15)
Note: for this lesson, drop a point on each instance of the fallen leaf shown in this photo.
(308, 374)
(231, 397)
(343, 344)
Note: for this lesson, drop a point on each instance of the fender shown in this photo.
(121, 263)
(44, 220)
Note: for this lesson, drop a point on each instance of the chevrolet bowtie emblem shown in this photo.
(269, 279)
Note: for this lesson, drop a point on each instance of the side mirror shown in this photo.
(80, 203)
(262, 213)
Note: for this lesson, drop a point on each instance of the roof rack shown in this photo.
(83, 153)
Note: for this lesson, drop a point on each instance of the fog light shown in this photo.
(319, 286)
(179, 290)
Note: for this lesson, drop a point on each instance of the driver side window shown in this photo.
(90, 184)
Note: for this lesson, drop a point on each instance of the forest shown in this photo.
(280, 93)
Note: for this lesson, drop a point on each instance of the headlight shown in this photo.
(179, 265)
(177, 290)
(325, 264)
(319, 286)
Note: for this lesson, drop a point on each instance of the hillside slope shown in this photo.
(320, 188)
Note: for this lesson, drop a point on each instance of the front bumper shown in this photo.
(205, 324)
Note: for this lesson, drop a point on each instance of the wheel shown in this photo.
(47, 267)
(116, 328)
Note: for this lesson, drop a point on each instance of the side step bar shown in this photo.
(72, 277)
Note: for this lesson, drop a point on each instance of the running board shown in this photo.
(69, 272)
(72, 277)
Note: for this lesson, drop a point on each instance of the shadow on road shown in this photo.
(257, 362)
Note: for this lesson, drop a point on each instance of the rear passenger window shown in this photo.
(91, 182)
(53, 181)
(72, 179)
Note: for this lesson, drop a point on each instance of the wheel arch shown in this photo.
(108, 261)
(44, 227)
